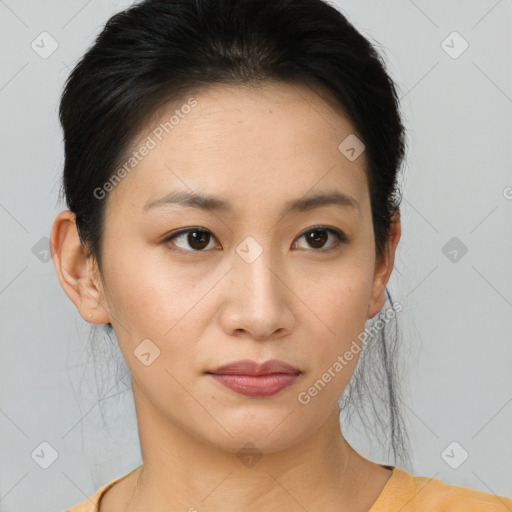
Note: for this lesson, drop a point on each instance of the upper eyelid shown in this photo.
(205, 230)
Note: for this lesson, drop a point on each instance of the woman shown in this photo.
(231, 177)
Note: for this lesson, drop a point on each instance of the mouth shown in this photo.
(256, 380)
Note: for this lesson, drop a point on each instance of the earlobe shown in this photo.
(75, 271)
(384, 267)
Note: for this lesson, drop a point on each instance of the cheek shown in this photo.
(333, 357)
(146, 294)
(337, 308)
(339, 296)
(151, 300)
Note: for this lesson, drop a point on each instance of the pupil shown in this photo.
(199, 239)
(193, 239)
(321, 235)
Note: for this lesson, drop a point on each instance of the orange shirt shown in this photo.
(402, 493)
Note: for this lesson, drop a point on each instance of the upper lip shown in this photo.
(248, 367)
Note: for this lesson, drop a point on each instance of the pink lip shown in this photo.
(251, 379)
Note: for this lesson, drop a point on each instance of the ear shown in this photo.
(384, 267)
(76, 272)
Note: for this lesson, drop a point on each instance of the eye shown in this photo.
(318, 235)
(196, 238)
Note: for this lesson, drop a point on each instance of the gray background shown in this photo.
(456, 320)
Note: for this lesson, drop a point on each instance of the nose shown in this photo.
(257, 299)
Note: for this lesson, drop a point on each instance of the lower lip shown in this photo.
(256, 385)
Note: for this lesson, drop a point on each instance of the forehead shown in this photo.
(274, 141)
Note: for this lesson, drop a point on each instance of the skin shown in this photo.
(257, 148)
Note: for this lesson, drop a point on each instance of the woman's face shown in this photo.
(252, 279)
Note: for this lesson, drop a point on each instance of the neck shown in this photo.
(180, 472)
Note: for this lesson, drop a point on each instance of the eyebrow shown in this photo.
(202, 202)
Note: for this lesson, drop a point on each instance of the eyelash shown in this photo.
(340, 236)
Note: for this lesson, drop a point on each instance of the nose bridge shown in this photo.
(257, 299)
(254, 267)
